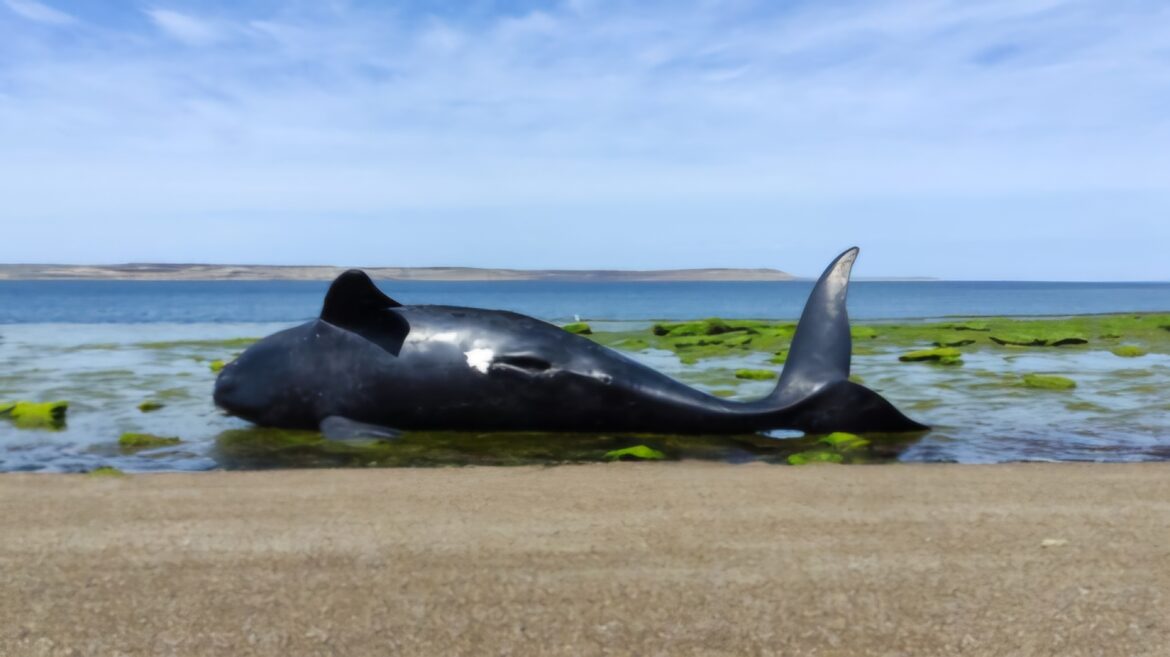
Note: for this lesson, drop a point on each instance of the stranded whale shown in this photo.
(370, 366)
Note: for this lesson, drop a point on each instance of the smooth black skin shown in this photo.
(370, 364)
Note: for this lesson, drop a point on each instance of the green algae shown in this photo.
(35, 415)
(695, 341)
(953, 342)
(723, 392)
(844, 442)
(755, 375)
(228, 343)
(815, 456)
(940, 355)
(632, 344)
(150, 405)
(712, 326)
(258, 447)
(1048, 382)
(216, 366)
(1131, 374)
(132, 442)
(862, 332)
(968, 326)
(1018, 340)
(578, 328)
(1084, 406)
(1129, 351)
(635, 453)
(105, 472)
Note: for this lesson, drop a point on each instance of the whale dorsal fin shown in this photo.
(354, 303)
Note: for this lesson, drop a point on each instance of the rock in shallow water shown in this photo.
(1129, 351)
(35, 415)
(132, 442)
(940, 355)
(1049, 382)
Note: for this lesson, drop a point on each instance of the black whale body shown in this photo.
(371, 366)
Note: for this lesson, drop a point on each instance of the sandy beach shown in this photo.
(637, 559)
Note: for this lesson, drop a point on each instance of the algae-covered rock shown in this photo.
(1049, 382)
(970, 326)
(1129, 351)
(135, 441)
(755, 375)
(1016, 340)
(815, 456)
(940, 355)
(1026, 340)
(953, 342)
(779, 358)
(843, 441)
(104, 471)
(578, 328)
(35, 415)
(635, 453)
(216, 366)
(150, 405)
(712, 326)
(863, 332)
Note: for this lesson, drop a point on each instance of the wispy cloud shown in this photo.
(41, 13)
(623, 111)
(185, 28)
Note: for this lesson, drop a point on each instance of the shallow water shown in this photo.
(135, 302)
(1118, 412)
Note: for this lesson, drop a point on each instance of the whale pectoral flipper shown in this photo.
(336, 427)
(355, 304)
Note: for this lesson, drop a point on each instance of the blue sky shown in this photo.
(1021, 139)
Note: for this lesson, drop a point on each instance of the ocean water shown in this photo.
(94, 302)
(106, 346)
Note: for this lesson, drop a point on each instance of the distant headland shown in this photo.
(196, 272)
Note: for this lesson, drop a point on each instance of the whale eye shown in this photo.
(523, 362)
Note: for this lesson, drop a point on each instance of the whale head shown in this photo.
(267, 384)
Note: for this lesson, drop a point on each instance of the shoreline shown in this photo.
(684, 558)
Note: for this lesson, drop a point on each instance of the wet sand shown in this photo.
(623, 559)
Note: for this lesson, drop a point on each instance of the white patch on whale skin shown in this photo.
(480, 359)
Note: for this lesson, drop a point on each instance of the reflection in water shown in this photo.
(254, 448)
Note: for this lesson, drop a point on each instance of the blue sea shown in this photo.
(99, 302)
(107, 346)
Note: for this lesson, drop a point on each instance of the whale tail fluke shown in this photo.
(814, 390)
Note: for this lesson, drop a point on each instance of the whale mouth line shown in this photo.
(524, 362)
